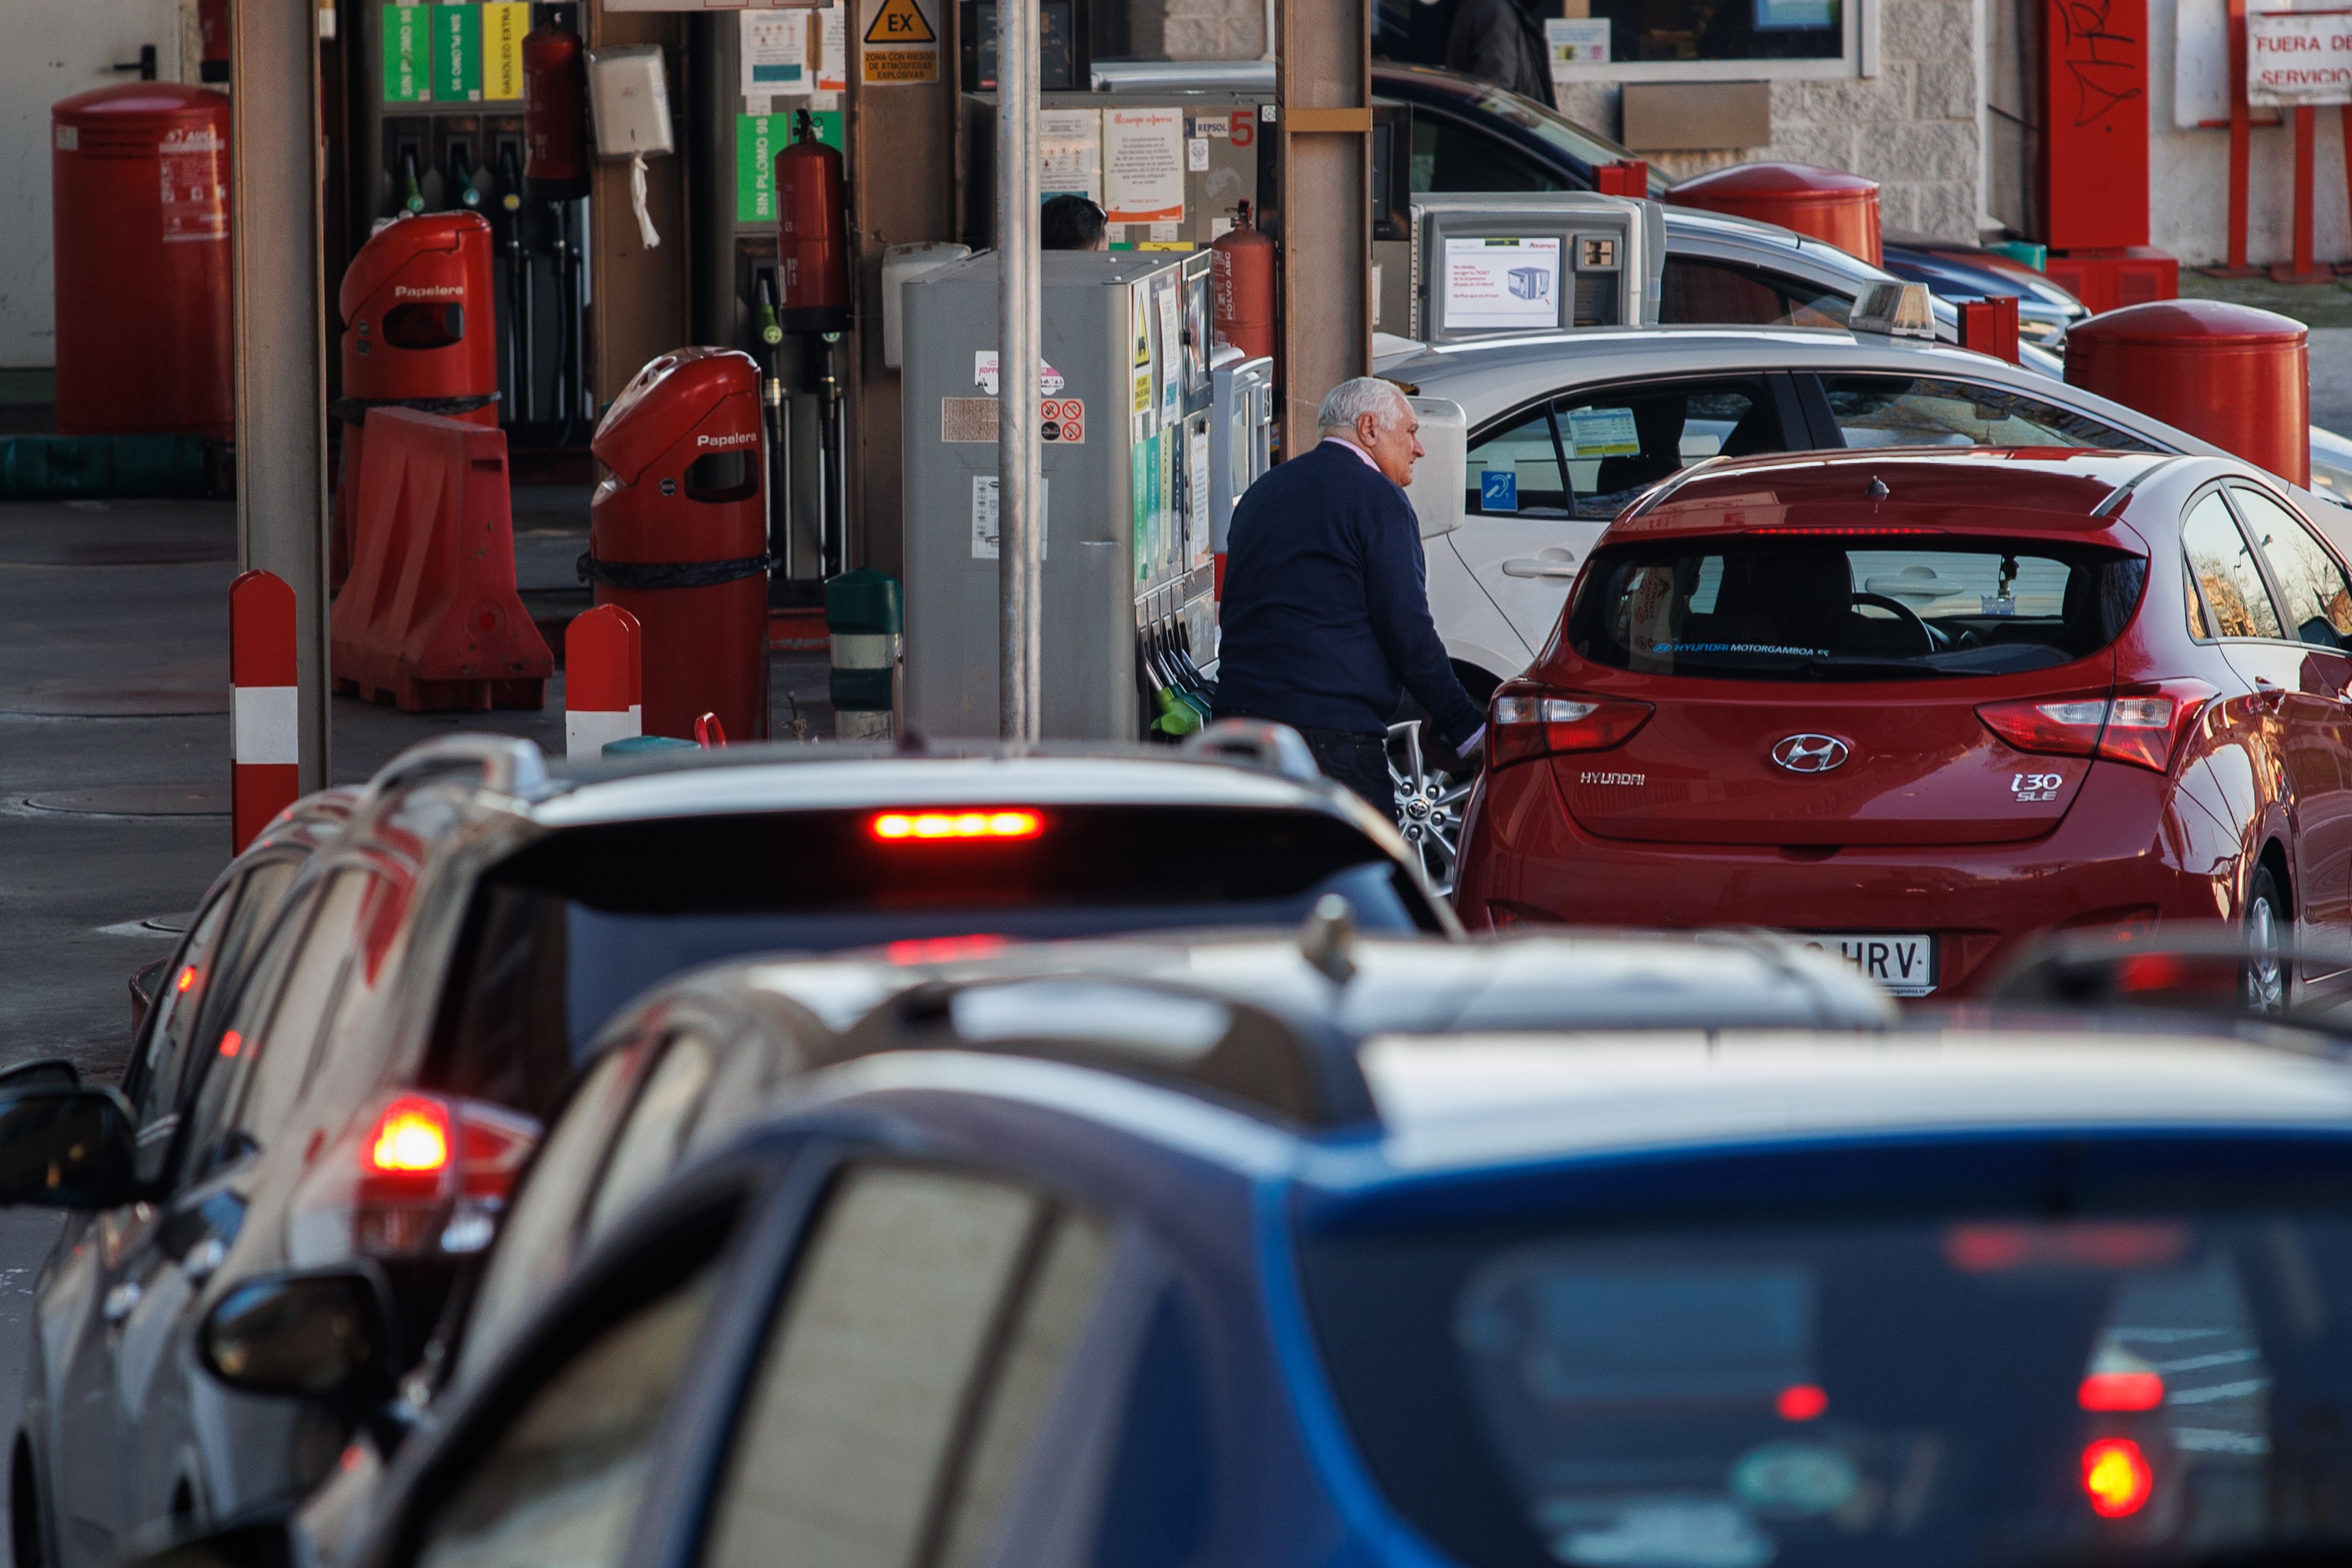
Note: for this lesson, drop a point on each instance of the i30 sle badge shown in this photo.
(1809, 753)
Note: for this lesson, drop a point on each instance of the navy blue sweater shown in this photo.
(1326, 613)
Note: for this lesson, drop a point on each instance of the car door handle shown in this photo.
(120, 1301)
(1535, 566)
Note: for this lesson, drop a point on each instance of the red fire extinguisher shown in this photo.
(554, 112)
(212, 30)
(1241, 268)
(812, 243)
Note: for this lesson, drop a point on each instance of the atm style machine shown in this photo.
(1489, 264)
(1128, 613)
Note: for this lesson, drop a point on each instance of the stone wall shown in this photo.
(1197, 29)
(1912, 128)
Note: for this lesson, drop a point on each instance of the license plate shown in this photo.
(1906, 966)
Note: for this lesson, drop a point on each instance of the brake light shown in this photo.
(411, 1138)
(2141, 725)
(1825, 530)
(895, 826)
(413, 1174)
(2115, 1478)
(231, 1042)
(187, 977)
(2120, 1391)
(1526, 721)
(942, 948)
(1800, 1402)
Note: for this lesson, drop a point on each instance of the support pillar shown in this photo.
(1323, 96)
(276, 168)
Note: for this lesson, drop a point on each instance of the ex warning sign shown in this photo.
(900, 45)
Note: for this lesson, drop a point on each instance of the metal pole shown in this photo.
(280, 333)
(1021, 535)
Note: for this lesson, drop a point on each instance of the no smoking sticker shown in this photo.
(1062, 419)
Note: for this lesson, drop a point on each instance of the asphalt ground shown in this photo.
(114, 739)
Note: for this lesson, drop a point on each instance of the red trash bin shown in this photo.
(677, 536)
(420, 331)
(139, 182)
(2237, 377)
(1828, 204)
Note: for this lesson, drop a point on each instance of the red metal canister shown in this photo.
(1828, 204)
(1241, 272)
(2237, 377)
(138, 174)
(677, 536)
(420, 331)
(554, 113)
(811, 233)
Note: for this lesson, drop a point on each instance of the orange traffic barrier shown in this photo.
(429, 618)
(604, 676)
(264, 707)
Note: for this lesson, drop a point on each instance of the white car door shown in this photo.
(1544, 481)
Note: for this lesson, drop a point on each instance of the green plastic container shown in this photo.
(104, 468)
(2034, 256)
(630, 745)
(865, 612)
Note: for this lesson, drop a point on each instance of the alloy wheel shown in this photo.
(1428, 807)
(2265, 970)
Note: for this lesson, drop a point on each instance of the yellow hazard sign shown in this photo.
(901, 22)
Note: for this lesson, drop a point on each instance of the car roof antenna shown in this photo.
(1327, 939)
(1877, 490)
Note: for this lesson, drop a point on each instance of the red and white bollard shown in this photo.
(604, 674)
(265, 713)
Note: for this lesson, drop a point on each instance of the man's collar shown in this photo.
(1362, 456)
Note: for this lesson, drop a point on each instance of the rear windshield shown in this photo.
(1889, 608)
(564, 935)
(1970, 1390)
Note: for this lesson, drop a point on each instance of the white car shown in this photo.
(1557, 433)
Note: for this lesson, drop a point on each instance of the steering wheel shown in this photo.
(1927, 639)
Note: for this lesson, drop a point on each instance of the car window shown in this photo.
(1620, 442)
(930, 1305)
(2318, 600)
(153, 1083)
(561, 1485)
(1706, 293)
(2223, 565)
(285, 1004)
(213, 1080)
(533, 1250)
(647, 1147)
(1453, 158)
(1516, 470)
(1927, 411)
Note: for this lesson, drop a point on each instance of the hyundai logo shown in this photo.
(1811, 753)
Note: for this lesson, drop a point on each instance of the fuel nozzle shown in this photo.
(412, 181)
(764, 312)
(509, 178)
(461, 177)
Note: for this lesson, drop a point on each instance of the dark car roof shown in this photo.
(1975, 489)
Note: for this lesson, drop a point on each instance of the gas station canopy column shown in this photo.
(1323, 96)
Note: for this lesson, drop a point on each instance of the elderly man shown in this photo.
(1326, 611)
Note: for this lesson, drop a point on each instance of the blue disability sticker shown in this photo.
(1498, 490)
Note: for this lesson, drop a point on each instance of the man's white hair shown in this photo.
(1351, 400)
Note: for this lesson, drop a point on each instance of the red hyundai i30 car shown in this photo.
(1924, 704)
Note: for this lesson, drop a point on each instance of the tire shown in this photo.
(2265, 981)
(28, 1547)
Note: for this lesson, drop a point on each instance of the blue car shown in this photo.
(1125, 1272)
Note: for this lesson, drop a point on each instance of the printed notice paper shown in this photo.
(1143, 154)
(1502, 283)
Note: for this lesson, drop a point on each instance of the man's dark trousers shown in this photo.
(1359, 761)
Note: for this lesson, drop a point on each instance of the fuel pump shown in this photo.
(776, 410)
(813, 263)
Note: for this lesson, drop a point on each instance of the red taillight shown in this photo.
(2115, 1478)
(1525, 721)
(410, 1139)
(942, 948)
(994, 821)
(1800, 1402)
(187, 977)
(2120, 1391)
(2136, 724)
(413, 1174)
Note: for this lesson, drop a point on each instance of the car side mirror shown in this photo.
(1438, 480)
(259, 1543)
(46, 1072)
(320, 1333)
(65, 1148)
